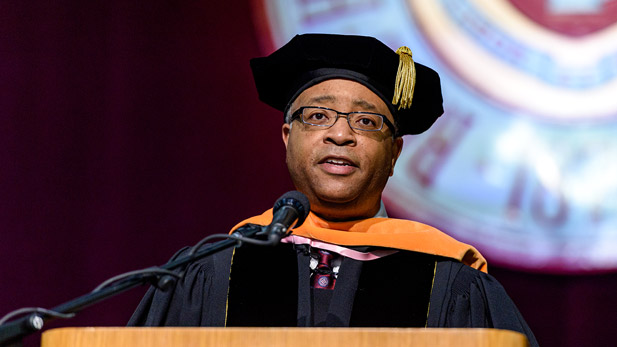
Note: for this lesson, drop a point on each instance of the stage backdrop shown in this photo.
(131, 129)
(524, 162)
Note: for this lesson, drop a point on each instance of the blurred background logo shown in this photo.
(524, 162)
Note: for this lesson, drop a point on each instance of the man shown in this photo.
(347, 101)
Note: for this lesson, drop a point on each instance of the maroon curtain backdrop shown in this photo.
(131, 129)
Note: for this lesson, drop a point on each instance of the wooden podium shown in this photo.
(274, 337)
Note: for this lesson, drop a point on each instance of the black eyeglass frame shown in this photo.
(298, 114)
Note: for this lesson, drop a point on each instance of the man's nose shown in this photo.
(340, 132)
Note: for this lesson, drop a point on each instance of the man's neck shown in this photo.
(346, 215)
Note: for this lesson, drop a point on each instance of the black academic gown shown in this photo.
(269, 286)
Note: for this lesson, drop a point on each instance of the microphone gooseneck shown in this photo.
(289, 211)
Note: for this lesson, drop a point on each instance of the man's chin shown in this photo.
(336, 198)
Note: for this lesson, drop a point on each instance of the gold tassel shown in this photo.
(405, 79)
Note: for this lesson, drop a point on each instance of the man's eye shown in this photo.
(367, 121)
(318, 117)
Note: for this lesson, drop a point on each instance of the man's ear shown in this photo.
(397, 147)
(285, 132)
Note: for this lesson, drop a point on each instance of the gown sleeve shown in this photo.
(197, 299)
(463, 297)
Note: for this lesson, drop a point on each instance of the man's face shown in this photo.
(342, 171)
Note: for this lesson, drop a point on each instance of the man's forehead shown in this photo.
(341, 91)
(332, 99)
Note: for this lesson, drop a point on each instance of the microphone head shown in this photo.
(297, 201)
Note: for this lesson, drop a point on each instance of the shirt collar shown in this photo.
(382, 211)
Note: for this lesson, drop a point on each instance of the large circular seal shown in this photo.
(523, 164)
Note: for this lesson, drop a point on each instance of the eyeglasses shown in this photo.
(327, 117)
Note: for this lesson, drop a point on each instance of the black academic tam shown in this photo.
(309, 59)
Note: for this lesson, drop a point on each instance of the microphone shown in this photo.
(289, 211)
